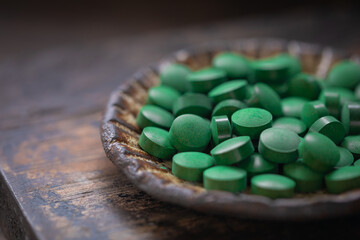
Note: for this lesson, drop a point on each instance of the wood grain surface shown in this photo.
(56, 182)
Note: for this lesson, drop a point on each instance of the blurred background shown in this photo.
(53, 40)
(31, 24)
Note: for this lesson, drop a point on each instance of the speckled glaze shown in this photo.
(120, 134)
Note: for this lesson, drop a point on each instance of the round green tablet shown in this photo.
(319, 152)
(344, 74)
(208, 121)
(220, 129)
(193, 103)
(256, 164)
(175, 76)
(204, 80)
(235, 89)
(346, 158)
(357, 163)
(346, 95)
(292, 106)
(191, 165)
(352, 143)
(232, 150)
(233, 64)
(154, 116)
(293, 63)
(350, 117)
(162, 96)
(190, 133)
(272, 186)
(265, 97)
(292, 124)
(357, 91)
(343, 179)
(225, 178)
(228, 107)
(281, 89)
(330, 127)
(269, 71)
(155, 141)
(251, 98)
(312, 111)
(251, 122)
(304, 85)
(321, 83)
(306, 179)
(300, 147)
(332, 103)
(279, 145)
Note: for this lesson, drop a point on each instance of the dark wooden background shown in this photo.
(55, 78)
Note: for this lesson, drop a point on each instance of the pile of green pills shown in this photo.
(261, 126)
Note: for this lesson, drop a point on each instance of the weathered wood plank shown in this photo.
(2, 237)
(81, 194)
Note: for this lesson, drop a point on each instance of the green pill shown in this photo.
(269, 71)
(233, 64)
(344, 74)
(235, 89)
(332, 103)
(312, 111)
(225, 178)
(204, 80)
(346, 158)
(357, 163)
(251, 97)
(208, 121)
(279, 145)
(293, 63)
(343, 179)
(346, 95)
(190, 166)
(193, 103)
(154, 116)
(292, 106)
(220, 129)
(190, 133)
(251, 122)
(272, 186)
(265, 97)
(256, 165)
(162, 96)
(330, 127)
(175, 76)
(350, 117)
(228, 107)
(321, 83)
(305, 86)
(319, 152)
(352, 143)
(357, 92)
(232, 150)
(306, 180)
(155, 141)
(281, 89)
(300, 147)
(292, 124)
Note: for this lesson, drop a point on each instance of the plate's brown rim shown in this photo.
(145, 174)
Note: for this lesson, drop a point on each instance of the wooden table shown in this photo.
(56, 182)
